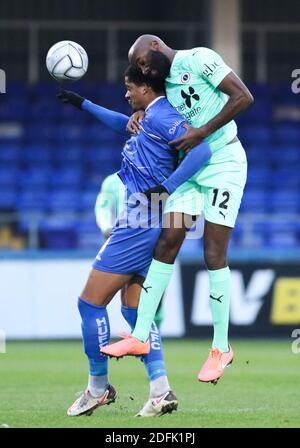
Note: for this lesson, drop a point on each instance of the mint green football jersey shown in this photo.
(192, 88)
(109, 202)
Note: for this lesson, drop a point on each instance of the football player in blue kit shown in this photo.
(123, 261)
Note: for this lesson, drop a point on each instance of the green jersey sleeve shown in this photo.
(209, 65)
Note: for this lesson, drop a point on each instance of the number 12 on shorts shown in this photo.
(220, 199)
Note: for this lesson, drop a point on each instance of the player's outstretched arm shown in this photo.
(112, 119)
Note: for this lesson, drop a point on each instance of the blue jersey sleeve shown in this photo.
(192, 162)
(113, 120)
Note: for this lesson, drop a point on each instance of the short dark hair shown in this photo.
(135, 75)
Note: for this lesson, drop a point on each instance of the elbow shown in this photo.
(245, 100)
(248, 99)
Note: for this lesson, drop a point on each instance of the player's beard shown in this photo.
(159, 65)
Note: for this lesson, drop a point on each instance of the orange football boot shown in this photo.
(128, 346)
(213, 368)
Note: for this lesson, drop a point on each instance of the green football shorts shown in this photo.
(216, 189)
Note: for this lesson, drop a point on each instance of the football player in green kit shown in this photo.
(208, 94)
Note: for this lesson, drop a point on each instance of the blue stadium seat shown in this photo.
(58, 231)
(260, 90)
(7, 199)
(259, 112)
(9, 154)
(254, 201)
(36, 154)
(58, 239)
(70, 176)
(258, 177)
(287, 177)
(88, 234)
(287, 201)
(258, 155)
(283, 95)
(32, 200)
(13, 109)
(286, 154)
(43, 89)
(286, 133)
(283, 240)
(70, 133)
(87, 200)
(63, 200)
(64, 154)
(45, 110)
(8, 176)
(258, 134)
(34, 178)
(40, 133)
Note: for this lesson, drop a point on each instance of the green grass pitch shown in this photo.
(261, 388)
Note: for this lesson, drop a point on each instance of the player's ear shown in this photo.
(154, 45)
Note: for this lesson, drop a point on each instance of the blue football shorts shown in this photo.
(130, 247)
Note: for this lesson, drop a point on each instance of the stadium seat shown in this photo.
(258, 177)
(254, 201)
(34, 178)
(8, 176)
(287, 201)
(87, 200)
(63, 200)
(289, 177)
(88, 234)
(258, 134)
(32, 201)
(36, 154)
(7, 200)
(286, 133)
(9, 154)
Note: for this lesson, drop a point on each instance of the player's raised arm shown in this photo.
(112, 119)
(213, 70)
(239, 99)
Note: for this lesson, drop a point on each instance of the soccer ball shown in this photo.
(67, 61)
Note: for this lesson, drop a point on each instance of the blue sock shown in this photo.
(154, 361)
(96, 333)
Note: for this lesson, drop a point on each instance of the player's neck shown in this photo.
(151, 98)
(170, 53)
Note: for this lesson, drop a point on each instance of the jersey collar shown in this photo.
(154, 101)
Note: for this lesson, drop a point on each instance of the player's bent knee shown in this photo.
(167, 249)
(215, 259)
(93, 291)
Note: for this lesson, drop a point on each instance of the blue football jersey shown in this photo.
(147, 158)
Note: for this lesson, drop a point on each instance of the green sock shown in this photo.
(219, 303)
(154, 286)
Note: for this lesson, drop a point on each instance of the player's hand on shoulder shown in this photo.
(68, 97)
(190, 139)
(133, 125)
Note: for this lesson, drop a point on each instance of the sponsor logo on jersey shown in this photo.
(189, 96)
(210, 69)
(172, 130)
(185, 77)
